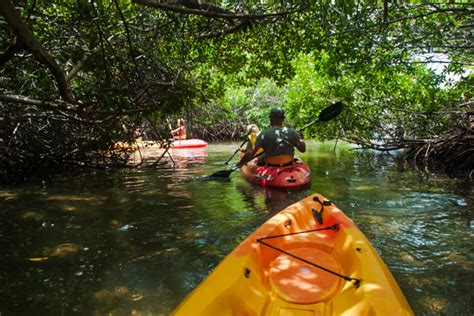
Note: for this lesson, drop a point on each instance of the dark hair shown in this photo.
(277, 113)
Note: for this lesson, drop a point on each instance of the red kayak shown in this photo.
(189, 143)
(177, 144)
(294, 175)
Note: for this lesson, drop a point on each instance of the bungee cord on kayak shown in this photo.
(334, 227)
(318, 217)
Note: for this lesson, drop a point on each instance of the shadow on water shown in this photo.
(137, 241)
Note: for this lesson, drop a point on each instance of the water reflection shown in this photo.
(137, 241)
(180, 158)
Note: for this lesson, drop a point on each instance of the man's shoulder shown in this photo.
(271, 130)
(268, 130)
(267, 133)
(289, 129)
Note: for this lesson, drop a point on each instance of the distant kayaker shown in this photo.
(137, 133)
(180, 132)
(277, 142)
(252, 132)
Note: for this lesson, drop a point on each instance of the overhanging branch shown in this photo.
(29, 42)
(209, 10)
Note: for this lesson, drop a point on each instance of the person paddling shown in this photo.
(180, 132)
(252, 131)
(277, 142)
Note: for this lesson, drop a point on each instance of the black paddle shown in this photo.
(327, 114)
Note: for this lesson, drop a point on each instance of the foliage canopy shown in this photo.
(77, 76)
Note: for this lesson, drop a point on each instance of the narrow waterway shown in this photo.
(136, 241)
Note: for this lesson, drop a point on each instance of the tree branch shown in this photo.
(409, 17)
(29, 101)
(28, 40)
(215, 13)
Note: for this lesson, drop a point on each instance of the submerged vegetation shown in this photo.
(78, 76)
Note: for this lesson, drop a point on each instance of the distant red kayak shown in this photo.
(189, 143)
(294, 175)
(177, 144)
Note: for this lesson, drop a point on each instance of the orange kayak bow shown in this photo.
(309, 259)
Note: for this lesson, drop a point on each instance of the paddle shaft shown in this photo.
(307, 125)
(236, 151)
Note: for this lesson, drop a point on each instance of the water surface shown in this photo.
(136, 241)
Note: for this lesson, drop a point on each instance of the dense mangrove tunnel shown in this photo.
(122, 121)
(78, 77)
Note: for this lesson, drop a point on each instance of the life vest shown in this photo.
(252, 140)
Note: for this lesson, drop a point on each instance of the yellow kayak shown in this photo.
(309, 259)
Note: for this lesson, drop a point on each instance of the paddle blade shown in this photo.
(222, 173)
(330, 112)
(326, 115)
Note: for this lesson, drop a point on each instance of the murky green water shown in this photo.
(137, 241)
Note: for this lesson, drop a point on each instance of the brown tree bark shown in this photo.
(29, 42)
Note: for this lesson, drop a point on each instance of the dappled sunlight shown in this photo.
(157, 253)
(30, 215)
(96, 200)
(70, 209)
(364, 187)
(62, 250)
(6, 195)
(38, 259)
(394, 227)
(300, 282)
(419, 283)
(407, 257)
(435, 304)
(120, 301)
(459, 259)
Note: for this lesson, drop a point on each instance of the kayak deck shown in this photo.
(309, 259)
(189, 143)
(295, 175)
(176, 144)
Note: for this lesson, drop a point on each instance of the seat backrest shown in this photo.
(279, 160)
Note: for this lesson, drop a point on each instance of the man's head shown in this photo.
(277, 115)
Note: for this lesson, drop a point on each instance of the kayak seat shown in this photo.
(280, 161)
(297, 282)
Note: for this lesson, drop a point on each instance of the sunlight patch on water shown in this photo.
(8, 195)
